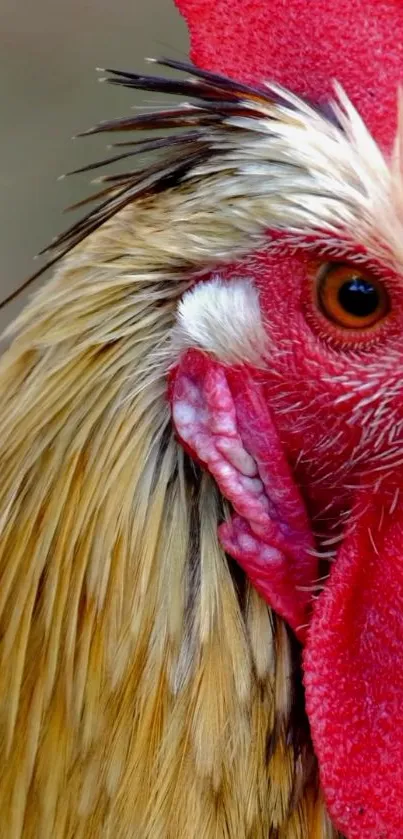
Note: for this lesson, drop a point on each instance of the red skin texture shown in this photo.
(304, 45)
(336, 402)
(354, 679)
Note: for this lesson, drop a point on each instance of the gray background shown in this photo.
(49, 50)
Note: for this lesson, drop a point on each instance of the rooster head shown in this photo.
(294, 399)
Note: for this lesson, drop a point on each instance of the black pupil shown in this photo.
(358, 297)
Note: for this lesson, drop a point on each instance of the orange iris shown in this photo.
(352, 298)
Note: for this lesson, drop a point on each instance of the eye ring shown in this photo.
(350, 297)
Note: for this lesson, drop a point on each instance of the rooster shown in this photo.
(201, 458)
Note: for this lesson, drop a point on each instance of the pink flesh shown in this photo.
(304, 45)
(354, 677)
(221, 417)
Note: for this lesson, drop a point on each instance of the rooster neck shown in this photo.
(120, 614)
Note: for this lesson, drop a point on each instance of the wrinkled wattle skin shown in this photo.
(222, 418)
(323, 401)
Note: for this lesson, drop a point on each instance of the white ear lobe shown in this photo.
(222, 317)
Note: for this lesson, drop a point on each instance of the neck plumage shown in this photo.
(145, 690)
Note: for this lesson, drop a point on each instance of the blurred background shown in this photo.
(48, 92)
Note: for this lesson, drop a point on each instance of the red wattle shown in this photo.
(305, 44)
(354, 677)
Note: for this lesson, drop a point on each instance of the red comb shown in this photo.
(304, 45)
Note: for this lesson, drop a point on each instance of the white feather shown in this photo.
(222, 317)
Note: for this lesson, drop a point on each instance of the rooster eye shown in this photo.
(351, 298)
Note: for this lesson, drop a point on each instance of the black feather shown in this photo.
(216, 98)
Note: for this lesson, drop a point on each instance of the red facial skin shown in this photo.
(336, 398)
(335, 402)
